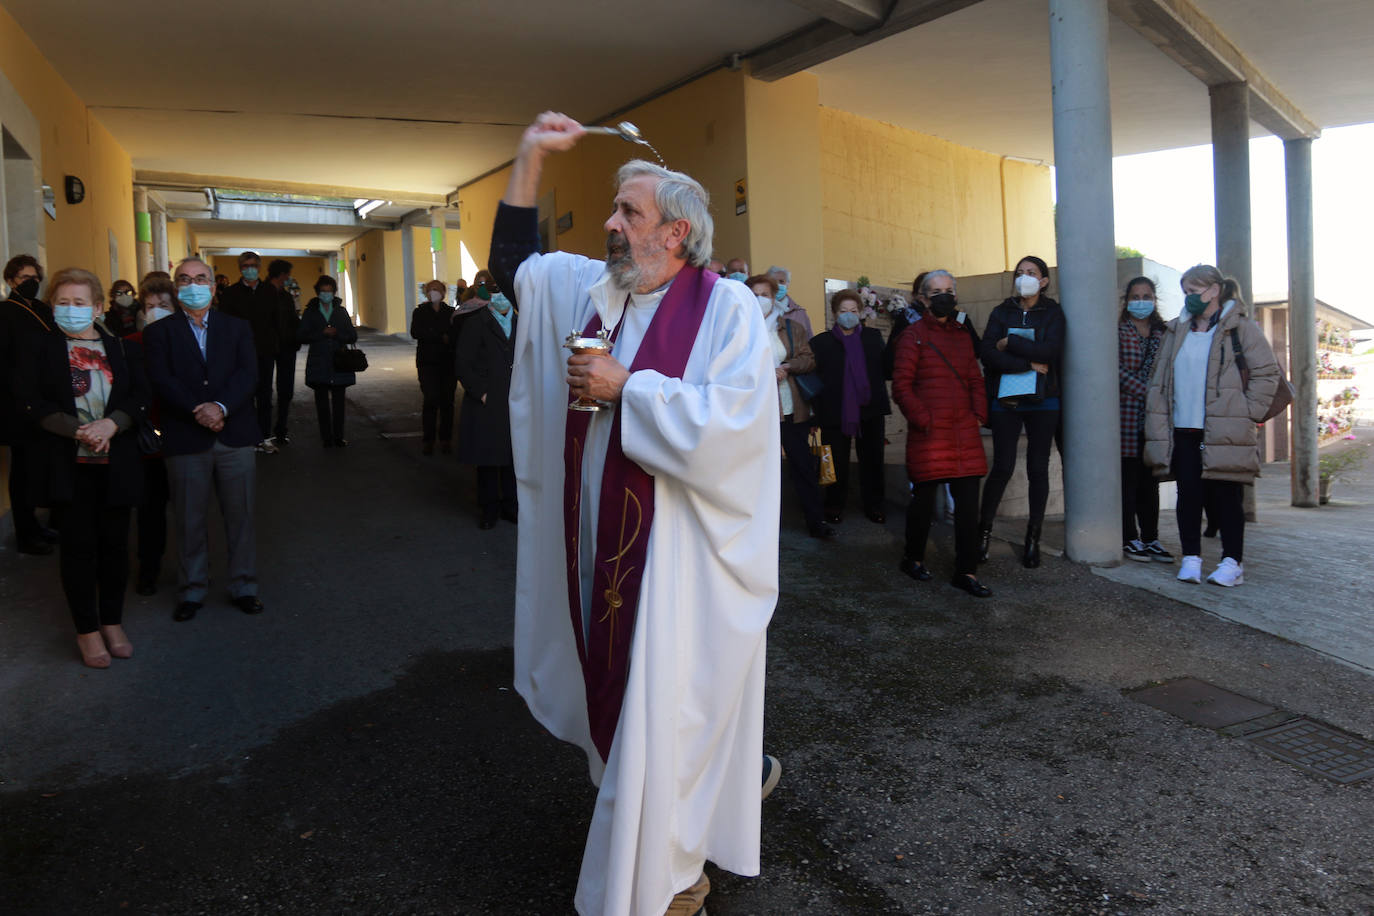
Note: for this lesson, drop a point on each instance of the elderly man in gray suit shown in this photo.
(204, 372)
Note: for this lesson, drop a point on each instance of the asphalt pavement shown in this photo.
(357, 749)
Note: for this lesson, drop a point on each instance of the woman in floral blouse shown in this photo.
(1138, 337)
(84, 393)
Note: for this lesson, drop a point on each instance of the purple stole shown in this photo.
(625, 514)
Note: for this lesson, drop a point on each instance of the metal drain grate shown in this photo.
(1201, 703)
(1319, 749)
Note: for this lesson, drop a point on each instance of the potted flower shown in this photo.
(1331, 467)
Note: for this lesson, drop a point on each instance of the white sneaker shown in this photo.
(1190, 570)
(1228, 574)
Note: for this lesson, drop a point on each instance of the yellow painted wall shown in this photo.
(73, 143)
(181, 241)
(896, 202)
(784, 185)
(699, 129)
(369, 282)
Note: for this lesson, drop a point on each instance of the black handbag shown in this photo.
(350, 359)
(808, 383)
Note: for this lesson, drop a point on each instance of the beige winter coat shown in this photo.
(1230, 435)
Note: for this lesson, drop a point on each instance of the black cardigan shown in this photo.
(43, 385)
(830, 361)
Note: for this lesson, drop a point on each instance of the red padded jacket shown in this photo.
(945, 404)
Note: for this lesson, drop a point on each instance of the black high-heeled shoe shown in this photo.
(1030, 557)
(971, 585)
(984, 542)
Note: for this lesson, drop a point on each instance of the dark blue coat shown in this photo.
(319, 359)
(182, 379)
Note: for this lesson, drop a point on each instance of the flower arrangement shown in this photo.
(1338, 463)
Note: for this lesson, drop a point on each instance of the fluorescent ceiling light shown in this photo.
(368, 207)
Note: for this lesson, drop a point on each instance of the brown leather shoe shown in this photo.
(691, 902)
(117, 641)
(93, 652)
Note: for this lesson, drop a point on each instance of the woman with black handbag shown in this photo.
(84, 392)
(1021, 349)
(327, 330)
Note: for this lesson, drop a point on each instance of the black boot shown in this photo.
(984, 542)
(1031, 557)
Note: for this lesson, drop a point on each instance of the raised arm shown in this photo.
(515, 236)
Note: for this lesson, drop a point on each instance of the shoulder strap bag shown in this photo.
(808, 383)
(1283, 394)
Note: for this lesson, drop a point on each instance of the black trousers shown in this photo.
(1139, 501)
(1223, 499)
(868, 447)
(26, 525)
(1040, 426)
(801, 466)
(329, 409)
(262, 398)
(437, 387)
(920, 512)
(286, 389)
(496, 489)
(94, 559)
(152, 519)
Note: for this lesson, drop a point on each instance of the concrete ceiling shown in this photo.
(229, 234)
(217, 89)
(424, 95)
(981, 76)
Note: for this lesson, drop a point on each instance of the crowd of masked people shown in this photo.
(1191, 394)
(151, 401)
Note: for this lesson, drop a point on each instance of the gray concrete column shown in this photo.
(1087, 280)
(1231, 182)
(161, 256)
(143, 232)
(407, 268)
(1302, 320)
(1231, 194)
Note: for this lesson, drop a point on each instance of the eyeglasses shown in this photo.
(183, 280)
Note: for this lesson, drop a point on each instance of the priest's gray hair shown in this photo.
(934, 275)
(678, 196)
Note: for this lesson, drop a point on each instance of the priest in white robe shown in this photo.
(644, 643)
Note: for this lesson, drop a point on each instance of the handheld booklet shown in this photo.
(1018, 384)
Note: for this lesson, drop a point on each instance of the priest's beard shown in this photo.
(620, 262)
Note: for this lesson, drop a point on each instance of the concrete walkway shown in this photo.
(357, 748)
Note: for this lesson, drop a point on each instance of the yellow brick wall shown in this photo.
(896, 202)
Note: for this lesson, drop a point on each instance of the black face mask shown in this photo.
(942, 305)
(28, 289)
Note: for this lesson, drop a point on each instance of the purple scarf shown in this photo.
(856, 391)
(626, 512)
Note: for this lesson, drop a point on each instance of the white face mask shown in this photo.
(765, 303)
(435, 296)
(1026, 285)
(157, 313)
(124, 300)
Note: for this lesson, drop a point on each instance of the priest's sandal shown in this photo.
(1030, 557)
(972, 586)
(691, 902)
(915, 569)
(772, 772)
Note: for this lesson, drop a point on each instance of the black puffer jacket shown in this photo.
(1046, 318)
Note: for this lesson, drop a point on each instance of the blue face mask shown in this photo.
(326, 297)
(1141, 308)
(782, 292)
(73, 319)
(737, 276)
(194, 296)
(250, 273)
(847, 320)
